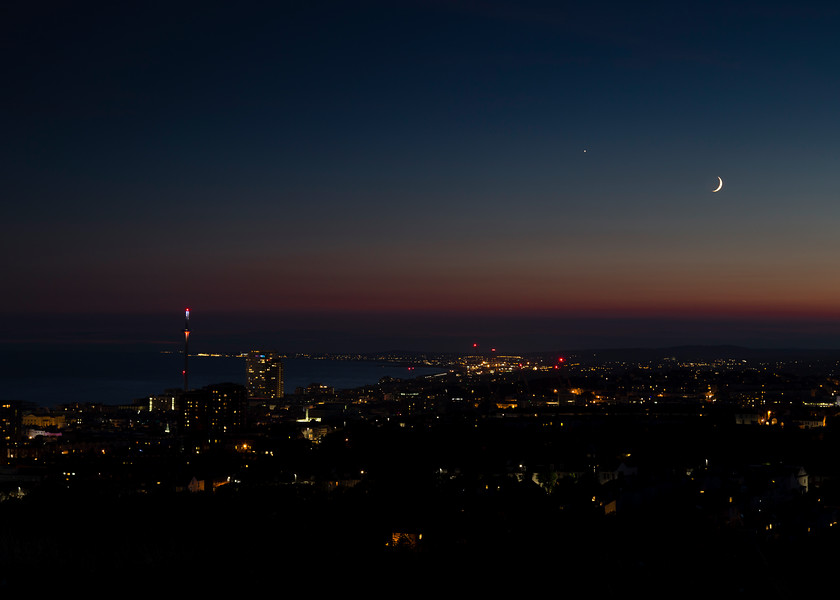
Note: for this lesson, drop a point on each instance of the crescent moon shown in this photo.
(720, 185)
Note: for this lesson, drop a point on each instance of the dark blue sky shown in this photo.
(515, 162)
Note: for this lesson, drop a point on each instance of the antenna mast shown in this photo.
(186, 348)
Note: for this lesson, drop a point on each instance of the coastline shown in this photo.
(49, 377)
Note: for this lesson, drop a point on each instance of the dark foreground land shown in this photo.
(244, 542)
(597, 504)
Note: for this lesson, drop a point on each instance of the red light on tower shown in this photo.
(561, 359)
(186, 348)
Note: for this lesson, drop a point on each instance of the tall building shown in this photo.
(265, 375)
(11, 418)
(214, 410)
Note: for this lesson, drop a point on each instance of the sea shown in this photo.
(49, 377)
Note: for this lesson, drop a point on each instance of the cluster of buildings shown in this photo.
(201, 417)
(494, 450)
(554, 398)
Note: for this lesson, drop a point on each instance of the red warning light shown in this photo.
(561, 359)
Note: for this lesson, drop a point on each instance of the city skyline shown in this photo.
(427, 172)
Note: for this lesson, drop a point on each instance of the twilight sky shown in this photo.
(493, 162)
